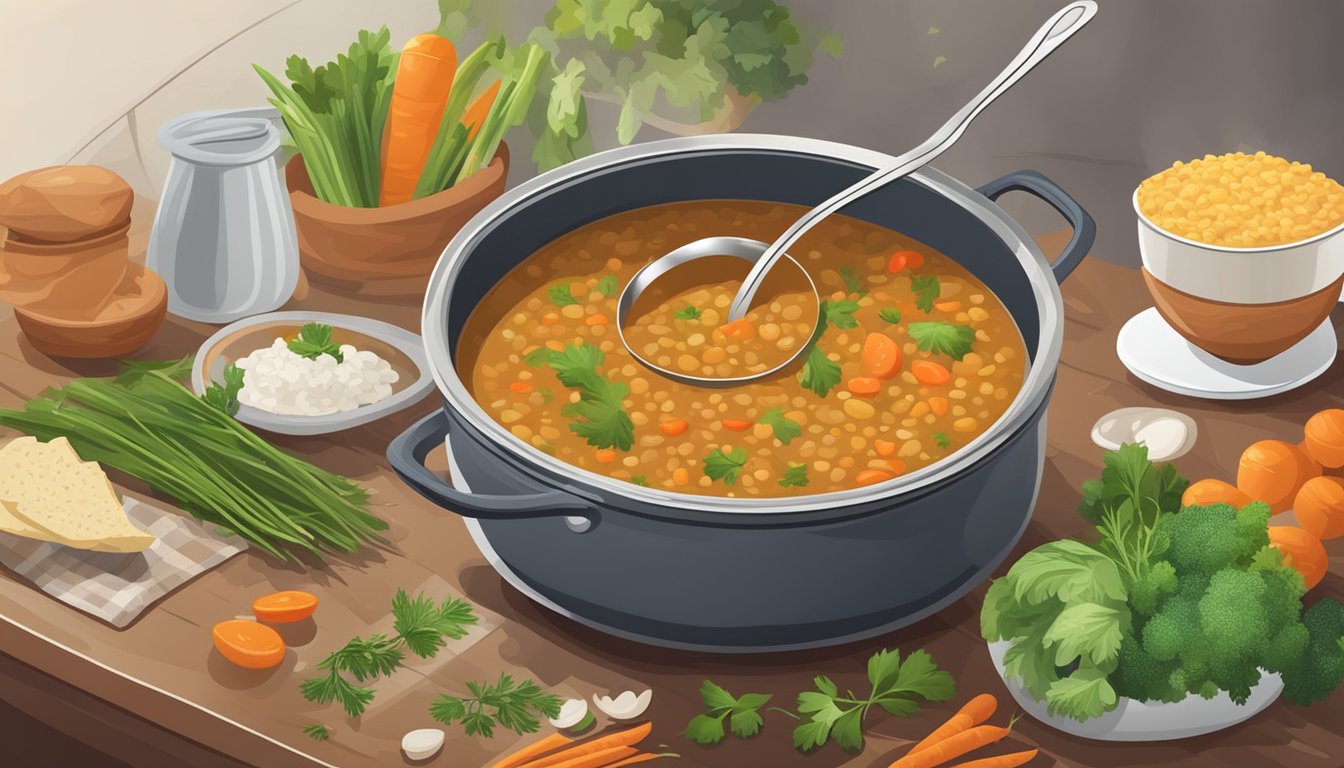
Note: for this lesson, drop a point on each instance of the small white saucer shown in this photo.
(1156, 353)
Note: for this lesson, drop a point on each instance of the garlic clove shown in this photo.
(573, 716)
(626, 706)
(1168, 434)
(422, 744)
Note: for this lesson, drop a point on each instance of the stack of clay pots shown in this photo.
(65, 265)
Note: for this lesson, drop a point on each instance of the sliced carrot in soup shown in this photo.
(881, 356)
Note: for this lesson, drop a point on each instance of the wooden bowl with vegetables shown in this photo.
(397, 152)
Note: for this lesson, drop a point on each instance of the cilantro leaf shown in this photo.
(640, 480)
(725, 466)
(225, 396)
(538, 357)
(943, 338)
(890, 314)
(840, 313)
(785, 428)
(927, 289)
(820, 374)
(546, 394)
(560, 295)
(853, 283)
(316, 732)
(314, 340)
(608, 286)
(941, 439)
(795, 476)
(687, 313)
(895, 686)
(743, 715)
(599, 415)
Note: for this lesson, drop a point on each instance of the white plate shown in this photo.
(403, 349)
(1144, 721)
(1156, 353)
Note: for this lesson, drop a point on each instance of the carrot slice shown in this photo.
(972, 713)
(947, 306)
(897, 466)
(1010, 760)
(864, 386)
(740, 329)
(903, 260)
(952, 747)
(624, 738)
(914, 259)
(884, 447)
(736, 425)
(938, 405)
(520, 387)
(674, 427)
(870, 476)
(249, 644)
(881, 357)
(535, 749)
(284, 607)
(930, 373)
(597, 319)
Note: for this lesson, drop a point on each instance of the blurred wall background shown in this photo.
(1147, 83)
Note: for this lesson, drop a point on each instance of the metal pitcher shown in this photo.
(224, 238)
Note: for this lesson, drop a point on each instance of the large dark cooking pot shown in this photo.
(726, 574)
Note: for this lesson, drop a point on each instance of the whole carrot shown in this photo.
(972, 713)
(419, 94)
(624, 738)
(533, 750)
(475, 114)
(952, 747)
(597, 759)
(1010, 760)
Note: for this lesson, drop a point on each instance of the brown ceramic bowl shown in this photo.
(385, 251)
(75, 280)
(1243, 334)
(130, 319)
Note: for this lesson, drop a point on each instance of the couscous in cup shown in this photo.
(1242, 254)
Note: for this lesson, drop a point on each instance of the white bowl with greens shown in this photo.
(323, 345)
(1178, 621)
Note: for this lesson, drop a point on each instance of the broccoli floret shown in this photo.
(1286, 648)
(1321, 666)
(1233, 617)
(1141, 677)
(1211, 538)
(1147, 592)
(1175, 626)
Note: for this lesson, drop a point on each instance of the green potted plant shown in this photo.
(396, 151)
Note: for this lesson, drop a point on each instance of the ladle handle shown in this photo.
(1050, 36)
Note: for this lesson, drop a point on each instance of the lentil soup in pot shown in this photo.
(912, 356)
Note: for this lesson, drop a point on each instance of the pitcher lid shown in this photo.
(222, 137)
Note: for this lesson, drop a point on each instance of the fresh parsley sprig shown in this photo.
(608, 285)
(599, 415)
(512, 705)
(314, 340)
(943, 338)
(927, 290)
(896, 687)
(890, 315)
(316, 732)
(560, 295)
(742, 713)
(820, 373)
(785, 429)
(853, 283)
(689, 312)
(725, 466)
(225, 396)
(795, 476)
(420, 626)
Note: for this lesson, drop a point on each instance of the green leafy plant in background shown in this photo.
(683, 66)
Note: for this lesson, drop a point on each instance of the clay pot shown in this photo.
(130, 319)
(1242, 334)
(73, 280)
(385, 251)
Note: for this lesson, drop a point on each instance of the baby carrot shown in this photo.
(952, 747)
(535, 749)
(599, 759)
(619, 739)
(972, 713)
(1010, 760)
(930, 373)
(475, 114)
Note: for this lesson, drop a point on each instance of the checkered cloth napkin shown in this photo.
(118, 587)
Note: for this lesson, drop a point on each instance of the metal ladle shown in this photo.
(764, 257)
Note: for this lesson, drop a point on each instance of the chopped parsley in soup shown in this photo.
(911, 357)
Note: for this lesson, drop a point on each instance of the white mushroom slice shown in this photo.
(574, 716)
(626, 706)
(422, 744)
(1168, 434)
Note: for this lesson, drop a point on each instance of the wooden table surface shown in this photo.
(163, 672)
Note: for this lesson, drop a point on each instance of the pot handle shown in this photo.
(1034, 183)
(407, 455)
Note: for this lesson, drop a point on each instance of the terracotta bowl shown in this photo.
(1243, 334)
(128, 322)
(75, 279)
(385, 251)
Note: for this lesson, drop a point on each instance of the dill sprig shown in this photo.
(512, 705)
